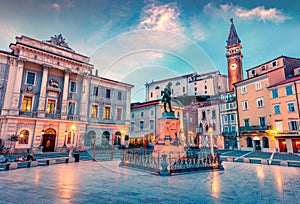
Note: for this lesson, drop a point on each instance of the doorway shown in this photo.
(282, 145)
(49, 140)
(256, 141)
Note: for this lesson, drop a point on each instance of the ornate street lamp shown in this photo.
(41, 141)
(73, 128)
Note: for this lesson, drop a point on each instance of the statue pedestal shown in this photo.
(168, 139)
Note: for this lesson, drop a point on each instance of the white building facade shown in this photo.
(207, 84)
(46, 97)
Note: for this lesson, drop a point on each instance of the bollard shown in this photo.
(164, 164)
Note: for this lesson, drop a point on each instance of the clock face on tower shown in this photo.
(233, 66)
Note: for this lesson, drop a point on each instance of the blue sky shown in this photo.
(138, 41)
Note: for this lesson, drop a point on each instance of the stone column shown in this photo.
(12, 98)
(17, 87)
(84, 98)
(10, 86)
(128, 101)
(64, 112)
(42, 99)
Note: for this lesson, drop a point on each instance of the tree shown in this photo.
(13, 139)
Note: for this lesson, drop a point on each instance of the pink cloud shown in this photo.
(161, 17)
(259, 13)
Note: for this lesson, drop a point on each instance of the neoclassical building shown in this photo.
(50, 98)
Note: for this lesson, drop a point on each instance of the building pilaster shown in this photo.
(84, 98)
(10, 86)
(14, 109)
(65, 95)
(42, 99)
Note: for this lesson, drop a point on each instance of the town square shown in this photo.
(151, 101)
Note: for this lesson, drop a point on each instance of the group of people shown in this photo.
(30, 157)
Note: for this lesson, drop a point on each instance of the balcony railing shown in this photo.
(53, 116)
(28, 113)
(255, 128)
(229, 133)
(73, 117)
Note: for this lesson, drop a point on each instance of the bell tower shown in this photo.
(234, 57)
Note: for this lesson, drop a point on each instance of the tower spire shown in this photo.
(234, 57)
(233, 38)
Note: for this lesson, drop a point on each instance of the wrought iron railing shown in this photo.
(175, 162)
(28, 113)
(73, 117)
(229, 133)
(255, 127)
(53, 116)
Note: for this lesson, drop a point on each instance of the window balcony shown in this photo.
(28, 113)
(52, 116)
(254, 128)
(73, 117)
(226, 134)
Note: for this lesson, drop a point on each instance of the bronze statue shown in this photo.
(166, 99)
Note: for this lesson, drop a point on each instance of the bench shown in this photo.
(15, 165)
(59, 160)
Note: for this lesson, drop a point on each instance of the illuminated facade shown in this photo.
(144, 120)
(46, 98)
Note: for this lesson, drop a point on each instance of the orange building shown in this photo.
(284, 97)
(254, 103)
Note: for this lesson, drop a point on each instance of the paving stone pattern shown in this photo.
(106, 182)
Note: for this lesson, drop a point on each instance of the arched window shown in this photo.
(90, 138)
(265, 142)
(24, 136)
(105, 138)
(206, 127)
(200, 128)
(249, 142)
(117, 140)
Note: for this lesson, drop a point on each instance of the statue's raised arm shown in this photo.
(166, 99)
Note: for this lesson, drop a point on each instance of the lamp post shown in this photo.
(65, 145)
(210, 131)
(41, 141)
(72, 140)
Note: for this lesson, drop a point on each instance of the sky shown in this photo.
(136, 41)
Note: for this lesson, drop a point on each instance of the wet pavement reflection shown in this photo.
(106, 182)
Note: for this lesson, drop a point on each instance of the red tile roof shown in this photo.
(285, 81)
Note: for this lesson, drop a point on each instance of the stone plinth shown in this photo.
(168, 139)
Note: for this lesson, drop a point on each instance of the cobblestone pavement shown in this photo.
(106, 182)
